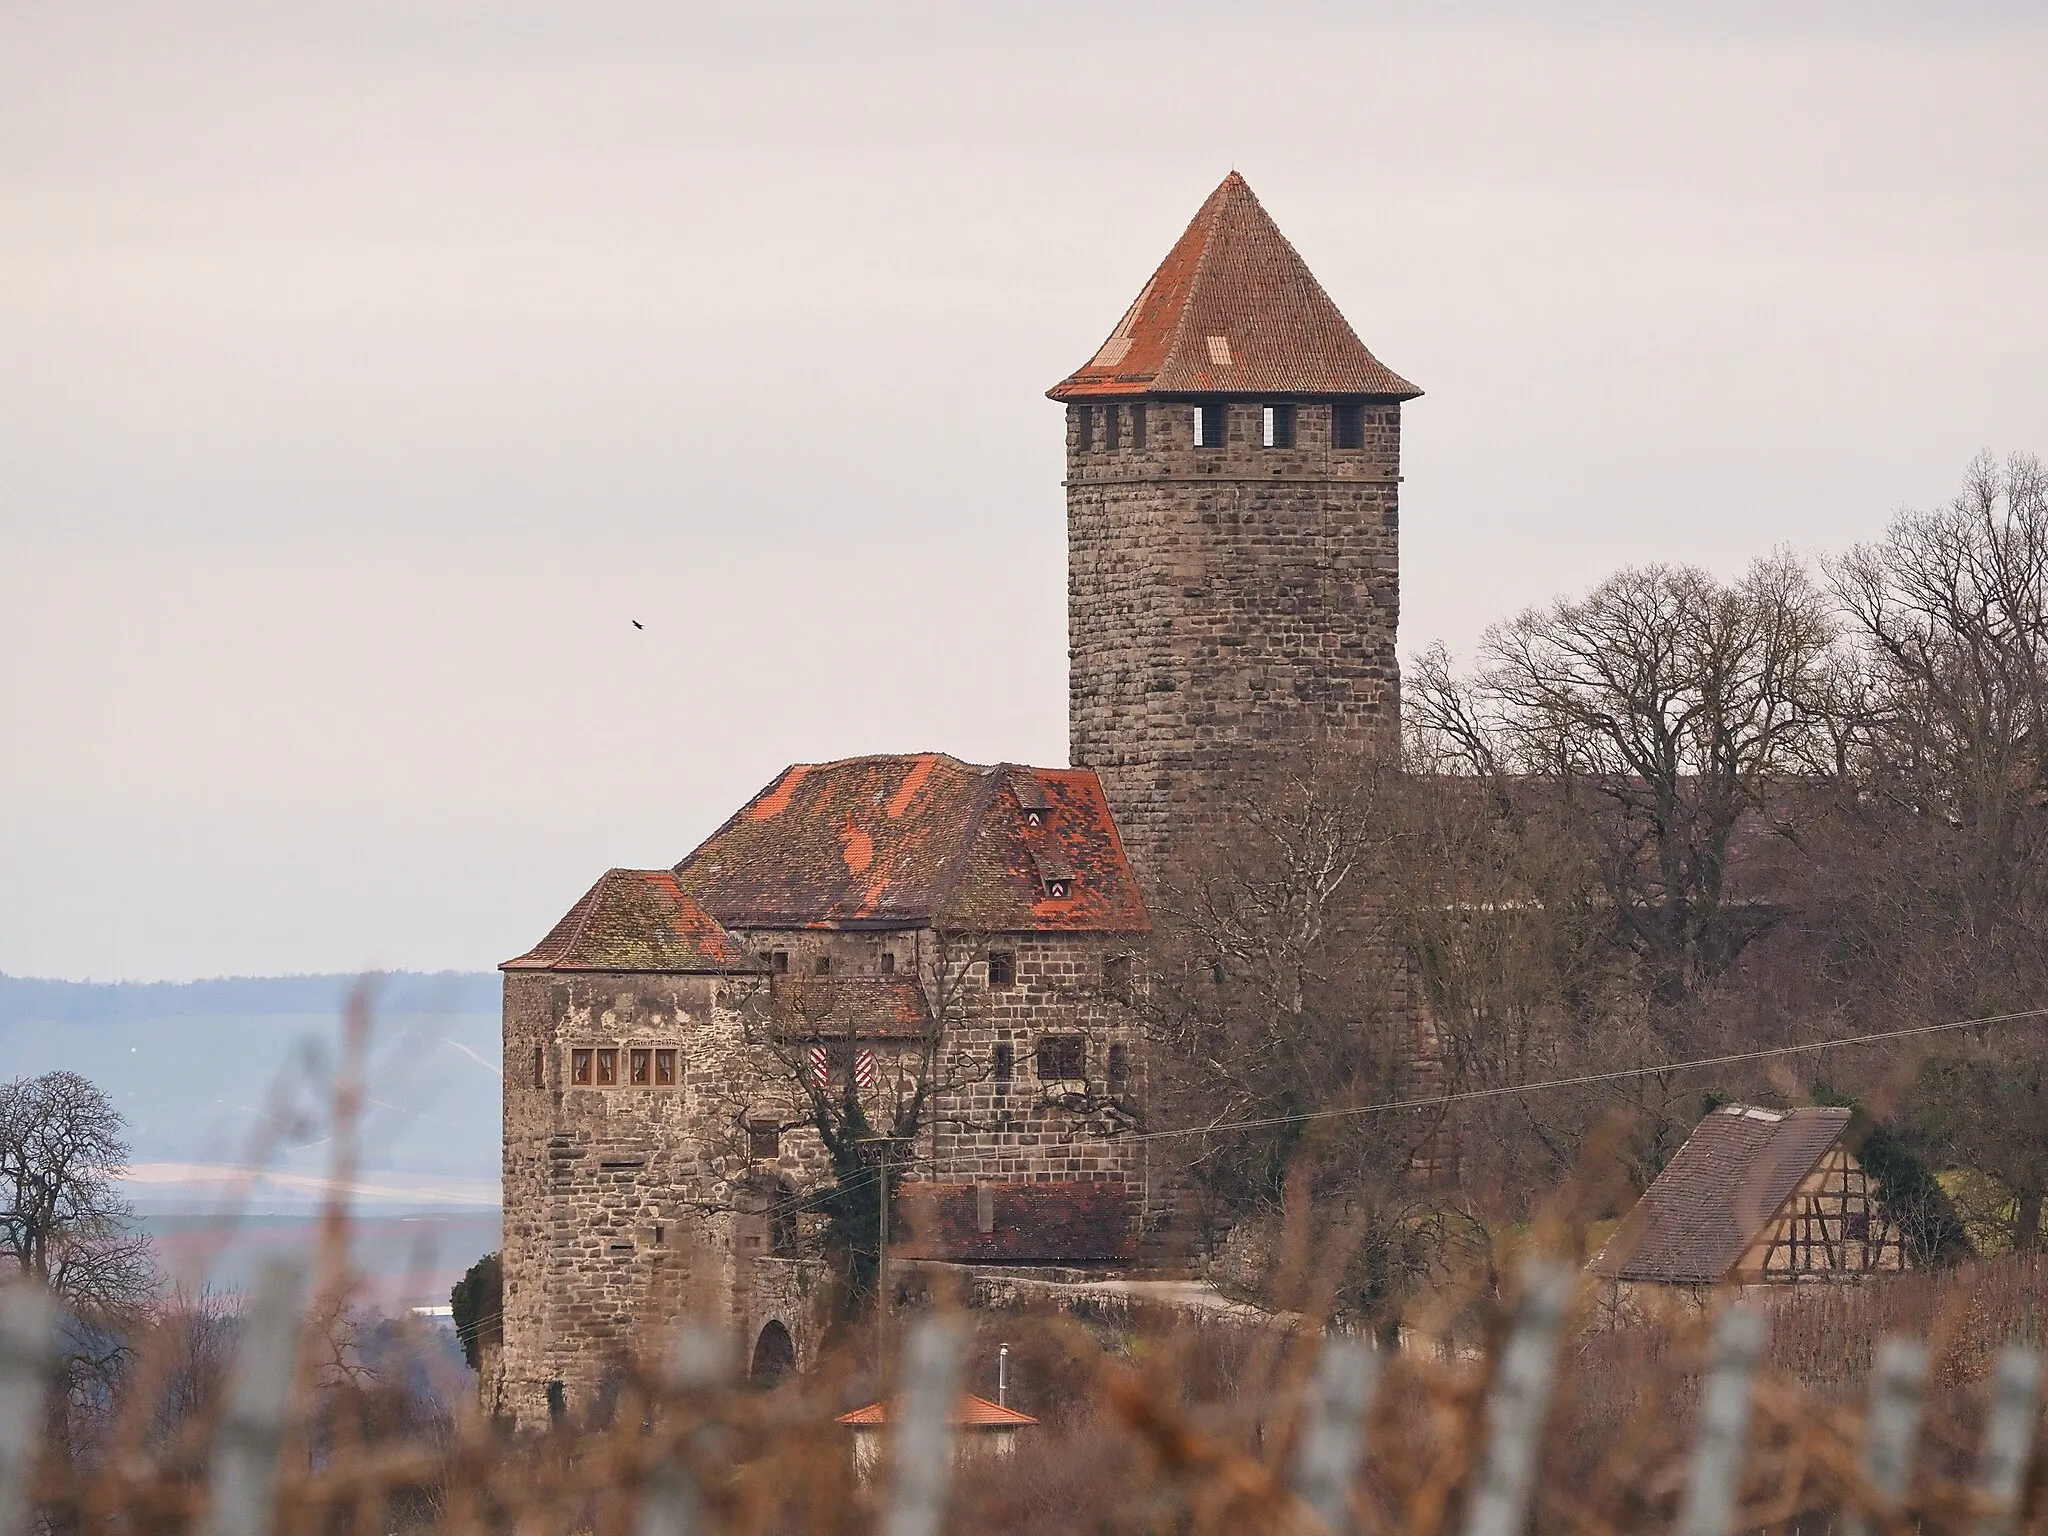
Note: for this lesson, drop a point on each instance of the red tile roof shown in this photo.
(1233, 310)
(1700, 1215)
(875, 841)
(635, 920)
(970, 1412)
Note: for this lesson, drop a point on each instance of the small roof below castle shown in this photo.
(635, 920)
(1233, 310)
(1730, 1179)
(970, 1412)
(904, 841)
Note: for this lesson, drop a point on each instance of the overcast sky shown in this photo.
(365, 368)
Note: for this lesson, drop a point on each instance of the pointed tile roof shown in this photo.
(970, 1412)
(1233, 310)
(635, 920)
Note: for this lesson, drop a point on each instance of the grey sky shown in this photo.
(364, 368)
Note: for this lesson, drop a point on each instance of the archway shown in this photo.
(774, 1355)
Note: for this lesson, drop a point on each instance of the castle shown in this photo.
(949, 946)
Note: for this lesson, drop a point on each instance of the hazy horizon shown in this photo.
(365, 371)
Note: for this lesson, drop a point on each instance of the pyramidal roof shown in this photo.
(1233, 310)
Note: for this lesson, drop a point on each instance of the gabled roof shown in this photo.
(635, 920)
(970, 1412)
(1715, 1198)
(906, 841)
(1233, 310)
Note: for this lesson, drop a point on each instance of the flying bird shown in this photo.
(638, 625)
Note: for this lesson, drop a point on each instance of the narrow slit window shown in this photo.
(1002, 968)
(640, 1068)
(607, 1068)
(579, 1067)
(1277, 426)
(540, 1067)
(1084, 428)
(1119, 1068)
(1112, 427)
(1005, 1061)
(1347, 424)
(888, 962)
(665, 1069)
(1138, 424)
(1116, 976)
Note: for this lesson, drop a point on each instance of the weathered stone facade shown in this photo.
(659, 1134)
(1225, 601)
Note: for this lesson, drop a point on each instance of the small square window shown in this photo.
(778, 961)
(579, 1067)
(665, 1069)
(1347, 424)
(1062, 1058)
(888, 962)
(1002, 968)
(764, 1141)
(607, 1068)
(640, 1067)
(821, 965)
(540, 1067)
(1277, 426)
(1005, 1061)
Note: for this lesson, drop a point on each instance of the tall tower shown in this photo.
(1233, 580)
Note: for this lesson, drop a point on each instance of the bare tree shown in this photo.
(1649, 718)
(62, 1220)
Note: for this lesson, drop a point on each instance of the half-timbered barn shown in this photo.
(1754, 1197)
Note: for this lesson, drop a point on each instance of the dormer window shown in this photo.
(1058, 888)
(1031, 799)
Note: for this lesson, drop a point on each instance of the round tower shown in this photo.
(1233, 574)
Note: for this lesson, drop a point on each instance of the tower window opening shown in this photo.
(1209, 425)
(888, 962)
(1112, 427)
(1062, 1059)
(1277, 426)
(1084, 428)
(540, 1067)
(1119, 1068)
(1137, 423)
(1005, 1061)
(1347, 424)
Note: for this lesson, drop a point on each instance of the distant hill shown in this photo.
(215, 1072)
(25, 999)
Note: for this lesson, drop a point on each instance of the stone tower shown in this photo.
(1233, 581)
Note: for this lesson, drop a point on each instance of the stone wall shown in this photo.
(1224, 601)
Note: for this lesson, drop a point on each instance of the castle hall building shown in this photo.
(907, 925)
(1233, 518)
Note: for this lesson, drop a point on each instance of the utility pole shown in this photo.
(882, 1237)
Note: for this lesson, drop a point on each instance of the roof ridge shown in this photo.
(1214, 208)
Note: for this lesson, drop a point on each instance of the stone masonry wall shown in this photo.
(1224, 601)
(625, 1205)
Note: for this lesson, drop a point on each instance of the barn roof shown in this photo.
(905, 841)
(1232, 310)
(970, 1412)
(635, 920)
(1711, 1202)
